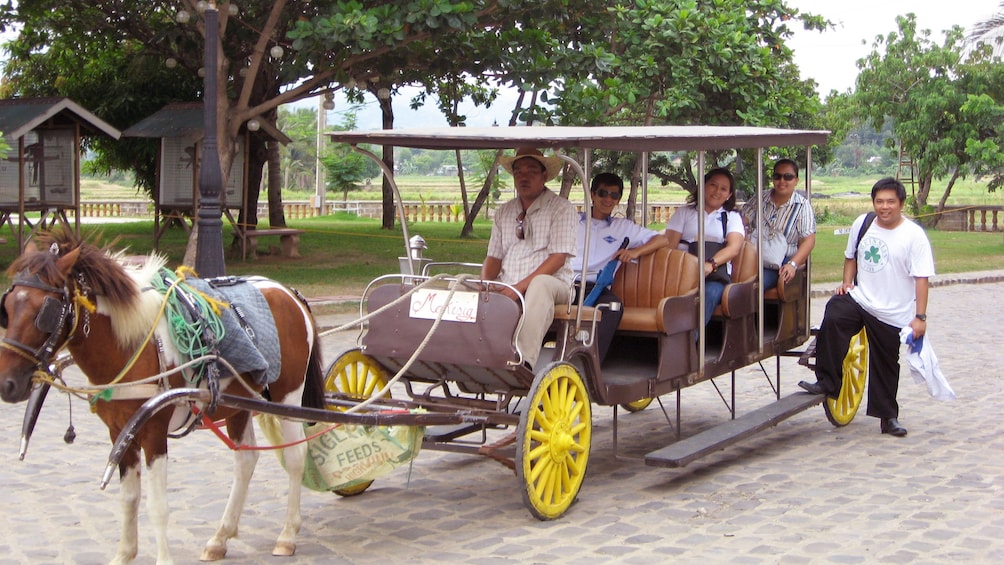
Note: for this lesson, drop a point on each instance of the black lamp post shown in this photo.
(209, 261)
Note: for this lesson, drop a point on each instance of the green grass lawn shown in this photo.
(342, 253)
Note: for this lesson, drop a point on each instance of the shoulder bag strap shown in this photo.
(869, 218)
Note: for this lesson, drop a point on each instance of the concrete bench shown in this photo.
(289, 240)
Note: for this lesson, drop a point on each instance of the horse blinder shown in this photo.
(3, 310)
(50, 316)
(47, 320)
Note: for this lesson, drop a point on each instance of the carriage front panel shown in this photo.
(486, 343)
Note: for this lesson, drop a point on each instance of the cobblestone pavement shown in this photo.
(803, 492)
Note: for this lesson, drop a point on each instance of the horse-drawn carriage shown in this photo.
(439, 350)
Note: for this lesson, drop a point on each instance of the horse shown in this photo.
(92, 301)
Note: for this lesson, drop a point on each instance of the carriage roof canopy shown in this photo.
(41, 172)
(624, 138)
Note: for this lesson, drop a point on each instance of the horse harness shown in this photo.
(52, 319)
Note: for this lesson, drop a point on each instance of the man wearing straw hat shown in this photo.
(533, 237)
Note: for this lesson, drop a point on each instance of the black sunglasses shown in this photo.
(605, 193)
(785, 176)
(520, 234)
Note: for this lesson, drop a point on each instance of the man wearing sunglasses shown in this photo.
(533, 236)
(789, 226)
(606, 238)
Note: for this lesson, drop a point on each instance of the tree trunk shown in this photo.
(634, 183)
(276, 215)
(387, 111)
(932, 222)
(463, 185)
(482, 196)
(257, 155)
(923, 189)
(479, 200)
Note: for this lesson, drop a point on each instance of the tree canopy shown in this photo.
(687, 62)
(643, 62)
(946, 108)
(125, 59)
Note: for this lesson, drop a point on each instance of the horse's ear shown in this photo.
(30, 248)
(66, 262)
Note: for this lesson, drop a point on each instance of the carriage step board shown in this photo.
(684, 451)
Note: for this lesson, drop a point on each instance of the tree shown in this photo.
(946, 110)
(299, 156)
(272, 53)
(685, 62)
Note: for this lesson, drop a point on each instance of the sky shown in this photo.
(830, 57)
(827, 57)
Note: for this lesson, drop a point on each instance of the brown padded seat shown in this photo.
(744, 269)
(643, 285)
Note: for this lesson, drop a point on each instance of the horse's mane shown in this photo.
(119, 290)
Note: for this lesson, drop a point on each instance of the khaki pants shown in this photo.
(542, 295)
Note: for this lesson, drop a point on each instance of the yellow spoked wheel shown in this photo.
(841, 410)
(637, 405)
(552, 441)
(356, 374)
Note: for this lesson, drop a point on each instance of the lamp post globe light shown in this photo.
(209, 260)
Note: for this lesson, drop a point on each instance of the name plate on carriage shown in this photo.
(428, 303)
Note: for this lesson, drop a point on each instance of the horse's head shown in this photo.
(36, 312)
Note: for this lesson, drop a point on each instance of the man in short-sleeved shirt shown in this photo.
(884, 290)
(789, 225)
(606, 234)
(532, 239)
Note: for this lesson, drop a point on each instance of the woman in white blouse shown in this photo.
(681, 230)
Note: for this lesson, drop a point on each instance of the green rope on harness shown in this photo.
(193, 338)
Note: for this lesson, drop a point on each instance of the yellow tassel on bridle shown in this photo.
(82, 301)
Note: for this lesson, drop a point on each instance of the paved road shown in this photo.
(804, 492)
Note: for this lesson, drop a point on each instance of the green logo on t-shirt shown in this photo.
(873, 255)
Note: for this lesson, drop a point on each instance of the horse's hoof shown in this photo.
(284, 549)
(213, 553)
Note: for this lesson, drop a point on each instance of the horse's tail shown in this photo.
(313, 380)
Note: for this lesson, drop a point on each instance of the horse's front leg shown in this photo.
(129, 494)
(153, 439)
(294, 457)
(244, 464)
(156, 505)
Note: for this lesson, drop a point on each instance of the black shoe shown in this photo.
(813, 388)
(892, 427)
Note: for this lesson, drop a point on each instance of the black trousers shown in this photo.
(844, 318)
(608, 322)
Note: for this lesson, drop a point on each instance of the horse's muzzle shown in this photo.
(15, 388)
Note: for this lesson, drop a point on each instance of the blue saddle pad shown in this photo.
(254, 350)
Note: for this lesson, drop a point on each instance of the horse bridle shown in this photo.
(52, 319)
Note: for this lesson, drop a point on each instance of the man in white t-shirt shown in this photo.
(606, 236)
(884, 289)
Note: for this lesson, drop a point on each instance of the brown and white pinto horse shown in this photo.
(47, 307)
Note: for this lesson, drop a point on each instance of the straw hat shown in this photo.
(552, 163)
